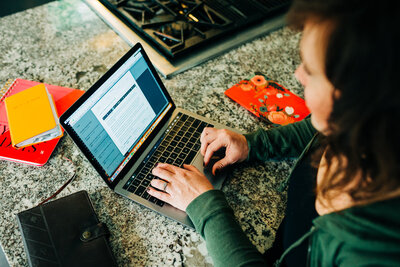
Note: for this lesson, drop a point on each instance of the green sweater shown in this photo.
(358, 236)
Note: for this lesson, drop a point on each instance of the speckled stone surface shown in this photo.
(65, 43)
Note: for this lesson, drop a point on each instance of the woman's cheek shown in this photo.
(309, 98)
(301, 75)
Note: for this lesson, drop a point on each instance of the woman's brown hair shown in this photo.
(362, 61)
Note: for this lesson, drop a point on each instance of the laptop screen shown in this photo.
(119, 116)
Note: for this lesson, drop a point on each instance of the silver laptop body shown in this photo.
(76, 121)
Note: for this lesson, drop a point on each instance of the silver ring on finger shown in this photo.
(165, 186)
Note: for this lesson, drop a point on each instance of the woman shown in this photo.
(346, 210)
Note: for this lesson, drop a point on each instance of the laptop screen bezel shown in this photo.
(91, 91)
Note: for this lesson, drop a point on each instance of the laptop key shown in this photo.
(183, 117)
(173, 155)
(177, 149)
(153, 199)
(164, 143)
(184, 139)
(139, 191)
(193, 140)
(174, 143)
(196, 147)
(145, 182)
(145, 195)
(189, 145)
(178, 161)
(170, 148)
(128, 183)
(187, 124)
(196, 123)
(162, 159)
(132, 188)
(169, 161)
(140, 176)
(181, 144)
(186, 150)
(160, 203)
(201, 127)
(190, 157)
(176, 164)
(136, 182)
(182, 155)
(166, 154)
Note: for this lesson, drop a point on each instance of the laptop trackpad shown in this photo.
(218, 179)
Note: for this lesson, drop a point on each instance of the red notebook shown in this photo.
(37, 154)
(268, 100)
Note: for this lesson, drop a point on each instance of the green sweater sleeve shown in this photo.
(226, 242)
(282, 142)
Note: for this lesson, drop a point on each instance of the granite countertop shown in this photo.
(65, 43)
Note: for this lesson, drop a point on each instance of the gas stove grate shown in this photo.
(176, 27)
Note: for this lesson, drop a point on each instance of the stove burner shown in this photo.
(139, 9)
(173, 24)
(173, 34)
(176, 29)
(176, 26)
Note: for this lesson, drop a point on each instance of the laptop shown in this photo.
(127, 122)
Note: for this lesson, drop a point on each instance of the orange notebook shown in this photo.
(32, 117)
(268, 100)
(35, 154)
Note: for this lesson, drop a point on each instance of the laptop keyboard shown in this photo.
(179, 146)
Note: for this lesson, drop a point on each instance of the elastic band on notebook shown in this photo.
(7, 88)
(64, 185)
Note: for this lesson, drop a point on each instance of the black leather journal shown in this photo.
(65, 232)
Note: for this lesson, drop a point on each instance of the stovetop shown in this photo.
(180, 34)
(176, 27)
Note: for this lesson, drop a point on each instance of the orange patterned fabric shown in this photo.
(268, 100)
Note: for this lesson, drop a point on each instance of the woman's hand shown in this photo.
(178, 186)
(214, 139)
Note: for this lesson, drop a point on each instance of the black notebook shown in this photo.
(65, 232)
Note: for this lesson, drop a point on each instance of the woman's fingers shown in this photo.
(191, 168)
(211, 148)
(159, 184)
(164, 171)
(183, 185)
(207, 136)
(159, 194)
(222, 163)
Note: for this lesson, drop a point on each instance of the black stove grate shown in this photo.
(176, 27)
